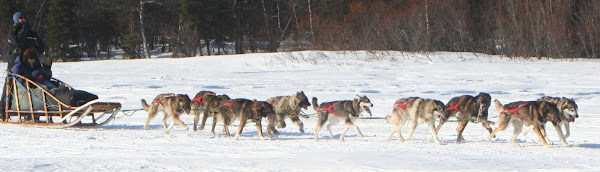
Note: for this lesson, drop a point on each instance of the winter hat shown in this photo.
(30, 53)
(16, 17)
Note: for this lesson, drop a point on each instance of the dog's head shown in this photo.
(222, 99)
(264, 109)
(483, 100)
(569, 108)
(439, 110)
(183, 102)
(301, 100)
(549, 112)
(364, 103)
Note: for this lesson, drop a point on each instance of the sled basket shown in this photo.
(30, 104)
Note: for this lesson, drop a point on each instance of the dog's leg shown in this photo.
(165, 118)
(299, 123)
(176, 119)
(433, 133)
(567, 130)
(518, 125)
(394, 130)
(415, 122)
(320, 121)
(437, 130)
(540, 136)
(281, 120)
(346, 128)
(243, 122)
(196, 118)
(332, 122)
(562, 138)
(151, 115)
(226, 129)
(488, 127)
(460, 129)
(504, 120)
(544, 134)
(170, 126)
(204, 118)
(259, 129)
(214, 121)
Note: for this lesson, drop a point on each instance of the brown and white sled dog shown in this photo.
(567, 110)
(420, 111)
(336, 111)
(467, 108)
(246, 111)
(206, 103)
(171, 105)
(289, 107)
(528, 113)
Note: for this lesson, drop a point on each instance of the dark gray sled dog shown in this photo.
(528, 113)
(289, 107)
(418, 110)
(343, 110)
(467, 108)
(171, 105)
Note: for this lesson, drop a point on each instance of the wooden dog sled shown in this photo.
(29, 104)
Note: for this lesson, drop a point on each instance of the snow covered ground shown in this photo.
(124, 145)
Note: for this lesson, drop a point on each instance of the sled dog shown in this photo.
(528, 113)
(171, 105)
(206, 103)
(467, 108)
(567, 110)
(420, 111)
(289, 107)
(336, 111)
(246, 111)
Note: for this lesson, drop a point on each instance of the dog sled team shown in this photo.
(531, 114)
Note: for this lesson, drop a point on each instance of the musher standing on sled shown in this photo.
(18, 41)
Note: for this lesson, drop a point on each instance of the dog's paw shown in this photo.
(301, 130)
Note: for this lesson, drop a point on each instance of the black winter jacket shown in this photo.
(19, 39)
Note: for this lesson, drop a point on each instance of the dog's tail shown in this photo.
(145, 105)
(499, 106)
(315, 104)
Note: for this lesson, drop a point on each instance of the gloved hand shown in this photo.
(40, 78)
(25, 28)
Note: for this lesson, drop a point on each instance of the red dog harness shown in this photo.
(199, 100)
(516, 111)
(330, 109)
(403, 106)
(158, 101)
(230, 104)
(455, 107)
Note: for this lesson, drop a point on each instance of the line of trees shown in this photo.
(92, 28)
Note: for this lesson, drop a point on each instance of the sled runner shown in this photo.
(31, 104)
